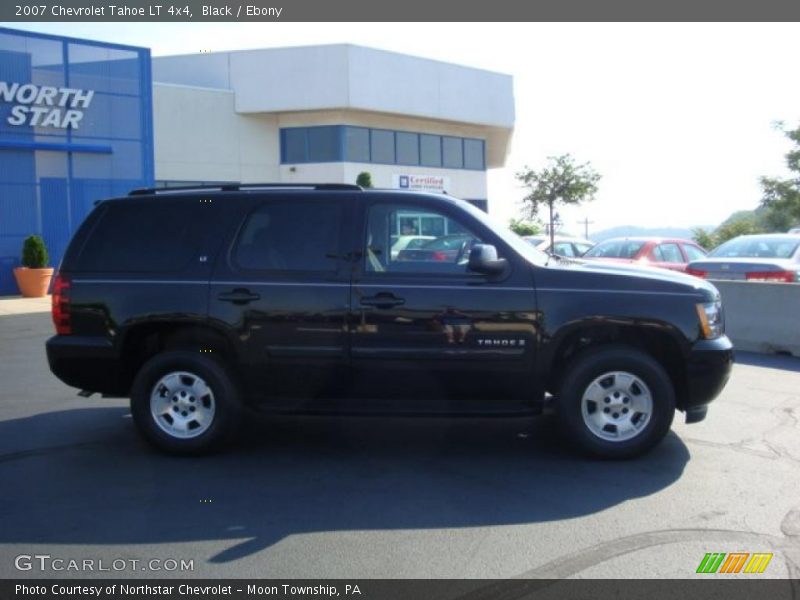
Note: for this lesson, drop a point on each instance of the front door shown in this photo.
(424, 329)
(284, 288)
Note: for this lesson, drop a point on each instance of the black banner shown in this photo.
(405, 10)
(406, 589)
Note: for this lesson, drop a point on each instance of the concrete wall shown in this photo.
(199, 137)
(762, 317)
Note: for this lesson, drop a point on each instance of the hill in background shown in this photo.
(633, 231)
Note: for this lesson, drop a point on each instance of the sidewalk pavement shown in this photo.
(17, 305)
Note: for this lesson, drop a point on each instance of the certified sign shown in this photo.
(421, 183)
(45, 105)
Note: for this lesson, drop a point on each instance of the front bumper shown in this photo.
(84, 362)
(707, 371)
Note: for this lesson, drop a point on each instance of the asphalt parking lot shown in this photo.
(374, 498)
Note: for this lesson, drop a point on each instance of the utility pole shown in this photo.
(586, 222)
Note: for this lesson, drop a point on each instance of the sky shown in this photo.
(677, 118)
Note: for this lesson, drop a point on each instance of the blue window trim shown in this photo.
(342, 147)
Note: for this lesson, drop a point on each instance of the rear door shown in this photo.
(283, 287)
(424, 328)
(669, 256)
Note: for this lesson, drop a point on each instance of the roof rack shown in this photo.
(233, 187)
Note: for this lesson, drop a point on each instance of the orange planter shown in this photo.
(33, 283)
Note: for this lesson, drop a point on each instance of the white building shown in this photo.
(326, 114)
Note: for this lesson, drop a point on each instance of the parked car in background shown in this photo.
(569, 247)
(446, 248)
(763, 257)
(409, 242)
(667, 253)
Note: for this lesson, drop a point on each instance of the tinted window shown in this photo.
(693, 252)
(144, 236)
(473, 154)
(667, 253)
(294, 145)
(290, 236)
(382, 146)
(447, 252)
(323, 144)
(430, 147)
(453, 152)
(407, 148)
(582, 248)
(356, 140)
(616, 249)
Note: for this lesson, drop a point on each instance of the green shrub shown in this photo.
(364, 179)
(34, 253)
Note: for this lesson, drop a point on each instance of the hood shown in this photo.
(637, 277)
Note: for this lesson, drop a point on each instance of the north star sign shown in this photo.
(44, 105)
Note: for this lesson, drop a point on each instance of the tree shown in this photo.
(783, 195)
(562, 181)
(522, 227)
(364, 179)
(704, 237)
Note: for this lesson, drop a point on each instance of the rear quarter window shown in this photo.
(143, 236)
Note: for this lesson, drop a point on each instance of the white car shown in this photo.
(409, 242)
(570, 247)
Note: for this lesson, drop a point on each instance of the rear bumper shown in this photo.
(707, 371)
(87, 363)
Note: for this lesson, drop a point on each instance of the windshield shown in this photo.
(757, 247)
(616, 249)
(522, 247)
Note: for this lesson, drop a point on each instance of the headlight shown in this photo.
(712, 323)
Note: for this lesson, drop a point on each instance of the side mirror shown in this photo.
(483, 259)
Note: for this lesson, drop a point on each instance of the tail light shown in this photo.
(781, 276)
(60, 311)
(697, 272)
(439, 255)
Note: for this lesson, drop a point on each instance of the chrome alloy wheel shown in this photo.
(182, 405)
(616, 406)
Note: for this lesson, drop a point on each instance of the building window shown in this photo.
(430, 150)
(407, 148)
(323, 144)
(356, 144)
(294, 145)
(333, 143)
(382, 146)
(453, 152)
(473, 154)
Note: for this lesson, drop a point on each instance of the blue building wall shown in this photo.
(51, 176)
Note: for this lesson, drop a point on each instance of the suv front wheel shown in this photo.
(616, 402)
(184, 403)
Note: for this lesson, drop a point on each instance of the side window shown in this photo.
(582, 249)
(564, 249)
(290, 236)
(143, 236)
(693, 252)
(442, 244)
(670, 253)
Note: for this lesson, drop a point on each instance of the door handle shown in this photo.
(238, 296)
(382, 300)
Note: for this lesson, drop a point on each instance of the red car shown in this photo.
(667, 253)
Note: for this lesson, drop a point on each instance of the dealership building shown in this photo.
(83, 120)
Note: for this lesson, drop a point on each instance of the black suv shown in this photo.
(200, 303)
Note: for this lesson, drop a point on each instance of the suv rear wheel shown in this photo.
(184, 403)
(616, 402)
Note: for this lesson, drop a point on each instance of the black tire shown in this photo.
(589, 367)
(223, 400)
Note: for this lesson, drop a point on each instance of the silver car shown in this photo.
(763, 257)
